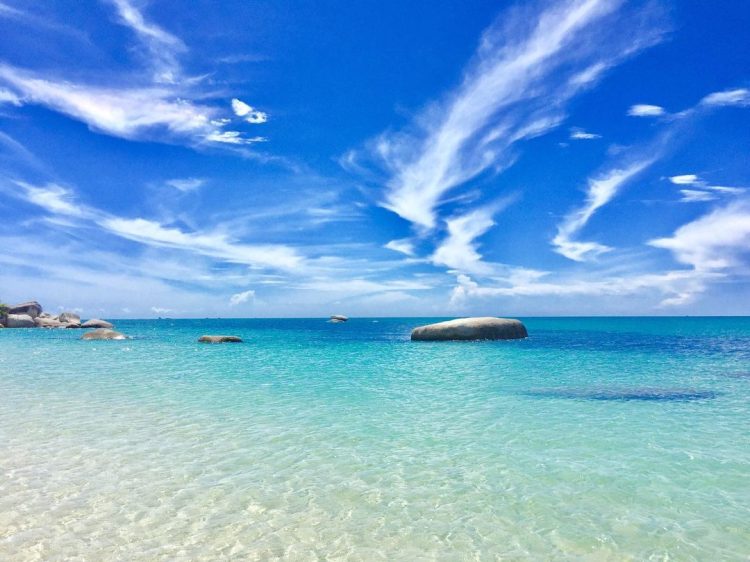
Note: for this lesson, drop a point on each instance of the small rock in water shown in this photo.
(482, 328)
(338, 318)
(103, 334)
(220, 339)
(97, 323)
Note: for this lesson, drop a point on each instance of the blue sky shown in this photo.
(246, 158)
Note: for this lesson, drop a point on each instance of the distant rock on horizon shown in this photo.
(338, 318)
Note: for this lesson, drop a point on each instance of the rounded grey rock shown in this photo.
(97, 323)
(30, 308)
(69, 318)
(20, 321)
(103, 334)
(481, 328)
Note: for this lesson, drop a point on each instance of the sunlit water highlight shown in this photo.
(594, 439)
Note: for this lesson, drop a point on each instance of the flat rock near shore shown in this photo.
(481, 328)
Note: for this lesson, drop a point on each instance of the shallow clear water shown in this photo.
(594, 439)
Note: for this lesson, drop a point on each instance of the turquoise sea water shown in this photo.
(594, 439)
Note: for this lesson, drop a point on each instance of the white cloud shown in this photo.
(6, 96)
(601, 190)
(403, 245)
(696, 195)
(739, 96)
(685, 179)
(186, 185)
(251, 115)
(160, 310)
(580, 134)
(716, 241)
(53, 198)
(527, 67)
(242, 297)
(458, 250)
(645, 110)
(705, 192)
(60, 201)
(162, 46)
(214, 245)
(232, 137)
(154, 113)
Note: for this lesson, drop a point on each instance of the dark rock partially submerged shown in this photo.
(624, 394)
(220, 339)
(103, 334)
(482, 328)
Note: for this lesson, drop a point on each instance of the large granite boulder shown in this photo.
(48, 322)
(103, 334)
(30, 308)
(69, 318)
(20, 321)
(483, 328)
(220, 339)
(97, 323)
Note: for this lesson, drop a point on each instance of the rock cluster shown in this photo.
(31, 315)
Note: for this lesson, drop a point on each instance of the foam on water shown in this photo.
(346, 441)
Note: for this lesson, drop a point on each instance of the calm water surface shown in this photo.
(594, 439)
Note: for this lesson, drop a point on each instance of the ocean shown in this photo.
(594, 439)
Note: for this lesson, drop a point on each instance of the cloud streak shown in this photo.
(527, 67)
(601, 190)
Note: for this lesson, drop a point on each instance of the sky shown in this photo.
(291, 158)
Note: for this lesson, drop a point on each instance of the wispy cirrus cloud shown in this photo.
(6, 96)
(576, 133)
(150, 113)
(60, 202)
(529, 64)
(698, 190)
(600, 191)
(403, 246)
(165, 107)
(459, 249)
(736, 96)
(162, 47)
(186, 185)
